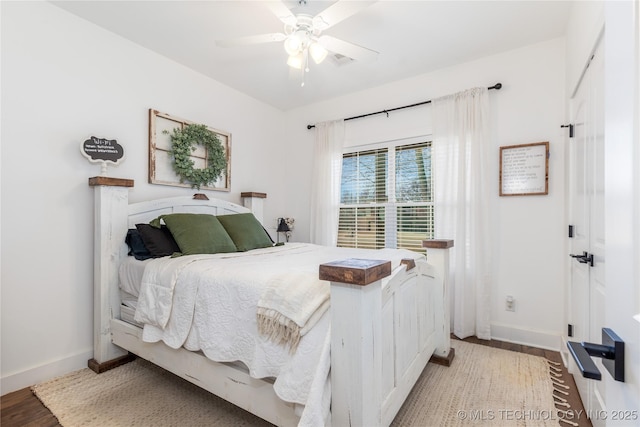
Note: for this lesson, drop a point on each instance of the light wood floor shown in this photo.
(22, 409)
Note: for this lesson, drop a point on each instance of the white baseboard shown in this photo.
(564, 351)
(542, 339)
(29, 377)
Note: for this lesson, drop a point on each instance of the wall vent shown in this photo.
(339, 59)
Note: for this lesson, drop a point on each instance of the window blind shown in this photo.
(413, 195)
(364, 190)
(386, 198)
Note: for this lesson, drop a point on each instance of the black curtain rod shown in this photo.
(496, 86)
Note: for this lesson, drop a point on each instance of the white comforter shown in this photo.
(209, 302)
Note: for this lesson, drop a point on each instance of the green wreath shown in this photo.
(183, 143)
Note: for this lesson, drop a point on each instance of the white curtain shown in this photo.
(461, 200)
(325, 184)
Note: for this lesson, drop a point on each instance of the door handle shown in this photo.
(585, 258)
(611, 351)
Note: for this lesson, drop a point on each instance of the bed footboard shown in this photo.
(383, 337)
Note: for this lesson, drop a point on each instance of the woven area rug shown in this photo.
(484, 386)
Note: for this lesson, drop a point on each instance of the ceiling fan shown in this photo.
(302, 34)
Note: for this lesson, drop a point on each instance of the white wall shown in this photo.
(527, 232)
(64, 79)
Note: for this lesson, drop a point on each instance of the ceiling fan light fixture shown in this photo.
(292, 45)
(302, 34)
(296, 61)
(317, 52)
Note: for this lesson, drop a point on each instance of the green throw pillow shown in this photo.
(198, 233)
(246, 231)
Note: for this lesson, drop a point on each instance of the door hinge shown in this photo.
(569, 330)
(570, 126)
(571, 231)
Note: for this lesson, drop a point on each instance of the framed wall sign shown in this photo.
(524, 169)
(161, 170)
(102, 150)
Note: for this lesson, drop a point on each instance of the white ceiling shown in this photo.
(412, 37)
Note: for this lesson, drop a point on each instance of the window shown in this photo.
(386, 197)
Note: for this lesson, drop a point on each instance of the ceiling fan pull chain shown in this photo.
(305, 68)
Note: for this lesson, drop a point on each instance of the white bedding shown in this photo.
(209, 303)
(130, 275)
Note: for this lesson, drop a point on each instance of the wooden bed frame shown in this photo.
(381, 339)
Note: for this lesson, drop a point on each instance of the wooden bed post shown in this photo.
(255, 202)
(438, 257)
(111, 202)
(355, 288)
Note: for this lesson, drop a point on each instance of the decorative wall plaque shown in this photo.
(102, 150)
(524, 169)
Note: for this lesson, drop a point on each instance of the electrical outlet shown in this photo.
(510, 303)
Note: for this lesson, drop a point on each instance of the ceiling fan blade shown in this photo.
(347, 49)
(281, 11)
(337, 12)
(244, 41)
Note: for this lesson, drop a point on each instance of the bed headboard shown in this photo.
(143, 212)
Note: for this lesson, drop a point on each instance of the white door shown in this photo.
(604, 202)
(587, 292)
(622, 202)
